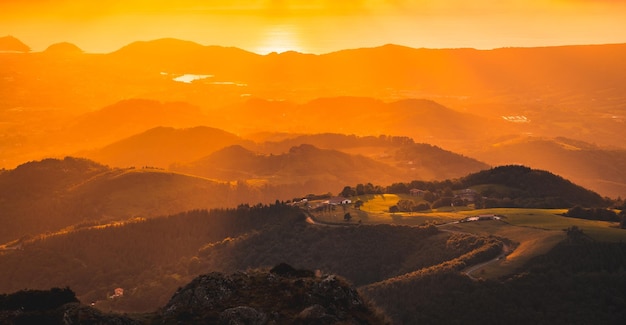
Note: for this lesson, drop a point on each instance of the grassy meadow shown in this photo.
(533, 232)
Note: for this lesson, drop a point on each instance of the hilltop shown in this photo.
(162, 146)
(323, 168)
(12, 44)
(63, 48)
(130, 117)
(283, 295)
(53, 194)
(594, 167)
(531, 186)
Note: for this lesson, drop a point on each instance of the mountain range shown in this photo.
(461, 100)
(404, 185)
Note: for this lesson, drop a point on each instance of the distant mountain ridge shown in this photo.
(473, 97)
(423, 120)
(63, 48)
(129, 117)
(162, 146)
(12, 44)
(323, 169)
(599, 169)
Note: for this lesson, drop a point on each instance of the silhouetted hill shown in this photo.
(52, 194)
(509, 183)
(163, 146)
(36, 179)
(132, 116)
(512, 186)
(415, 160)
(423, 120)
(165, 47)
(317, 169)
(600, 169)
(426, 162)
(12, 44)
(539, 91)
(178, 56)
(63, 48)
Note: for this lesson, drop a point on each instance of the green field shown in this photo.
(551, 219)
(376, 210)
(533, 231)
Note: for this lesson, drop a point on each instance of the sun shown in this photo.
(279, 39)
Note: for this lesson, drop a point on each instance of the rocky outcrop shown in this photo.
(282, 295)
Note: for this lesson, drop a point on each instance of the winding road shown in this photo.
(506, 249)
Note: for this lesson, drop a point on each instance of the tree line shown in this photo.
(504, 186)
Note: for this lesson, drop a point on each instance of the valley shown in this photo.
(423, 185)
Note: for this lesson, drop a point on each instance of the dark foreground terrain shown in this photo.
(282, 295)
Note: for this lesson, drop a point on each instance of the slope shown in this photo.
(317, 170)
(129, 117)
(594, 167)
(415, 160)
(150, 258)
(52, 194)
(162, 146)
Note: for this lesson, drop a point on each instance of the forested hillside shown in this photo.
(150, 258)
(502, 186)
(575, 283)
(49, 195)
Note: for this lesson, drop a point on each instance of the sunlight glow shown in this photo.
(279, 39)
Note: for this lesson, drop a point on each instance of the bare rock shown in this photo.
(242, 315)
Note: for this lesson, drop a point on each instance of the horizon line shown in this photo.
(305, 52)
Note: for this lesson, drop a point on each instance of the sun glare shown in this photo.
(279, 39)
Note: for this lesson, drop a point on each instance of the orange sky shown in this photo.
(315, 26)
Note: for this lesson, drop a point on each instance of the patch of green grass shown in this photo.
(535, 231)
(550, 219)
(377, 209)
(379, 203)
(529, 242)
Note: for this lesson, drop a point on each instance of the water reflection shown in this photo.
(189, 77)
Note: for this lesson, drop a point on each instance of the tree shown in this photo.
(360, 189)
(347, 192)
(358, 204)
(421, 207)
(430, 196)
(405, 205)
(347, 217)
(575, 235)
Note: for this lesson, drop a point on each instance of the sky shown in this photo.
(315, 26)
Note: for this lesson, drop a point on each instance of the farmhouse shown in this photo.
(482, 217)
(416, 192)
(337, 200)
